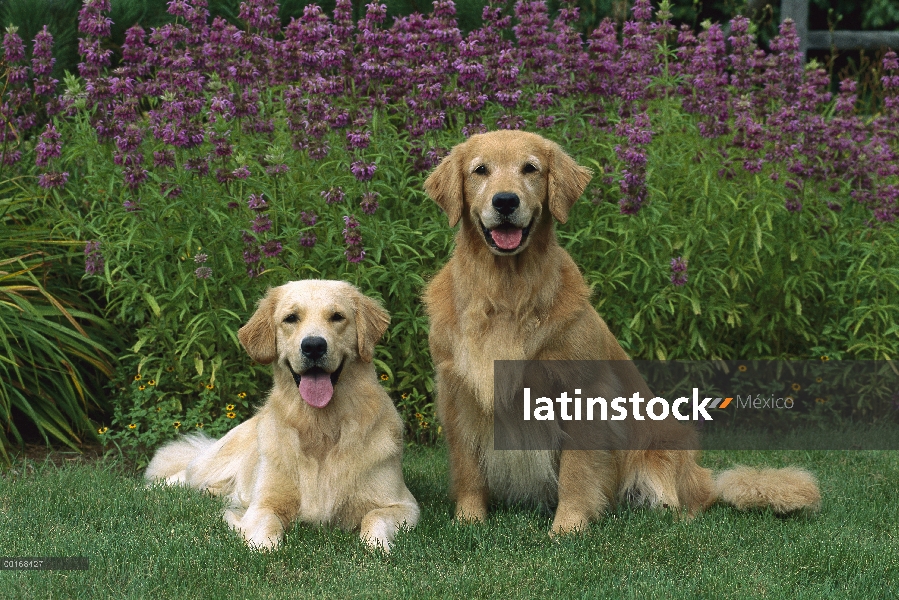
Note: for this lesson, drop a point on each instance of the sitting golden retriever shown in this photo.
(510, 292)
(326, 446)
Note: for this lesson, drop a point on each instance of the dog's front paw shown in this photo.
(377, 538)
(261, 531)
(567, 522)
(471, 509)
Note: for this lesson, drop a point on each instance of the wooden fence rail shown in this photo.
(841, 39)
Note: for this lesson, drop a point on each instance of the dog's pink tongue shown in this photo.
(316, 389)
(507, 239)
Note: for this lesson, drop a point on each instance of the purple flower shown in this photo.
(93, 258)
(13, 48)
(369, 202)
(353, 240)
(358, 140)
(275, 170)
(511, 122)
(241, 172)
(165, 158)
(309, 219)
(363, 171)
(257, 202)
(52, 180)
(199, 165)
(261, 223)
(48, 147)
(678, 271)
(129, 140)
(10, 157)
(333, 195)
(203, 272)
(201, 258)
(42, 62)
(272, 248)
(251, 256)
(308, 239)
(793, 205)
(131, 205)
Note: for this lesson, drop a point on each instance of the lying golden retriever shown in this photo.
(510, 292)
(326, 446)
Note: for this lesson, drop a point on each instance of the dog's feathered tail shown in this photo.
(170, 462)
(782, 490)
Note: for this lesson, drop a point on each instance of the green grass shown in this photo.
(168, 542)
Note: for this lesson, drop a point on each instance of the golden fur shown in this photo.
(337, 465)
(494, 300)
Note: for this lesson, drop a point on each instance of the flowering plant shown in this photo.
(215, 161)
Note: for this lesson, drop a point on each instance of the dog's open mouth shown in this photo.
(316, 385)
(506, 238)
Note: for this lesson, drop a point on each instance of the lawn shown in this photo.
(170, 542)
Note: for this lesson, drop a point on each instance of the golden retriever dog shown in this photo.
(510, 292)
(326, 446)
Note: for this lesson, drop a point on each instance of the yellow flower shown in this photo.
(132, 426)
(102, 430)
(790, 398)
(818, 379)
(209, 386)
(820, 400)
(199, 426)
(137, 377)
(229, 408)
(151, 382)
(796, 387)
(419, 416)
(230, 415)
(242, 395)
(404, 396)
(425, 424)
(384, 376)
(176, 424)
(825, 358)
(742, 368)
(170, 369)
(141, 387)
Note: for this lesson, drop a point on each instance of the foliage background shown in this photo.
(785, 258)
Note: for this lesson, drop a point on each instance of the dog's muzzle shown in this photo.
(316, 386)
(507, 236)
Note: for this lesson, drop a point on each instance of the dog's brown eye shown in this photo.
(528, 168)
(481, 170)
(337, 318)
(291, 318)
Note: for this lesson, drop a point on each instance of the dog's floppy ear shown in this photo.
(371, 323)
(258, 335)
(567, 181)
(444, 185)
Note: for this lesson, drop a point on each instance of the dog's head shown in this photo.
(504, 181)
(314, 328)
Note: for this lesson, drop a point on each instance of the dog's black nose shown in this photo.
(314, 348)
(505, 203)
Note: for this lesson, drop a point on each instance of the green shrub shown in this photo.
(52, 362)
(698, 244)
